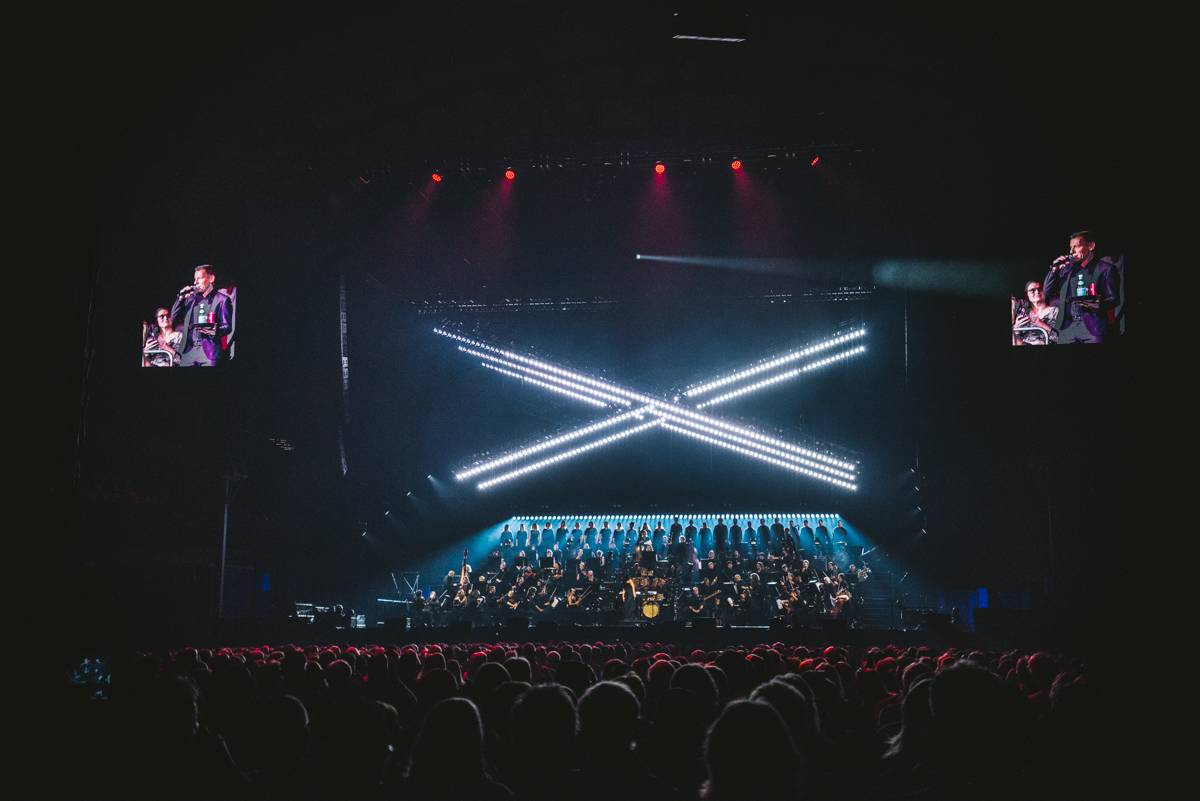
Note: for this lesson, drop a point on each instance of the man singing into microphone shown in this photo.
(1088, 290)
(205, 315)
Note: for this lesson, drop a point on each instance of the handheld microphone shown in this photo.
(187, 290)
(1061, 260)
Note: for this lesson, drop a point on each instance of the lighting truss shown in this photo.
(671, 415)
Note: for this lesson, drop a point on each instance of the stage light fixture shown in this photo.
(559, 457)
(764, 449)
(516, 456)
(763, 457)
(736, 165)
(671, 412)
(510, 174)
(546, 385)
(550, 376)
(437, 177)
(790, 374)
(660, 168)
(610, 391)
(816, 160)
(787, 358)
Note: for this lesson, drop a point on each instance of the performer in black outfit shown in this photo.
(676, 530)
(807, 538)
(720, 534)
(822, 538)
(205, 316)
(776, 536)
(1088, 291)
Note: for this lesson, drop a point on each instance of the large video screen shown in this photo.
(197, 329)
(1079, 301)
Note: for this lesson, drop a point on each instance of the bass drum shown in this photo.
(650, 609)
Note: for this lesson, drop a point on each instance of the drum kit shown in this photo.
(651, 593)
(651, 605)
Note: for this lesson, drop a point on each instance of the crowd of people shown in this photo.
(749, 575)
(596, 720)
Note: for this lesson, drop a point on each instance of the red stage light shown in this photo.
(510, 173)
(660, 168)
(813, 163)
(737, 164)
(437, 177)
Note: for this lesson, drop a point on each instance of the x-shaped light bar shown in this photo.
(639, 412)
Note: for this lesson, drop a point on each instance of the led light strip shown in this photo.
(568, 454)
(687, 432)
(764, 449)
(547, 385)
(640, 517)
(550, 368)
(516, 456)
(609, 397)
(787, 358)
(754, 435)
(766, 382)
(653, 402)
(671, 412)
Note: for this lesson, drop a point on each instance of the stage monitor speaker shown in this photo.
(779, 627)
(704, 624)
(546, 626)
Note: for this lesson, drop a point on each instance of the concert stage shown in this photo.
(936, 632)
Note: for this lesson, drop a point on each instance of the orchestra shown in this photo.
(579, 581)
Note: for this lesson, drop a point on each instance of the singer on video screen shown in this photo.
(204, 315)
(1086, 289)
